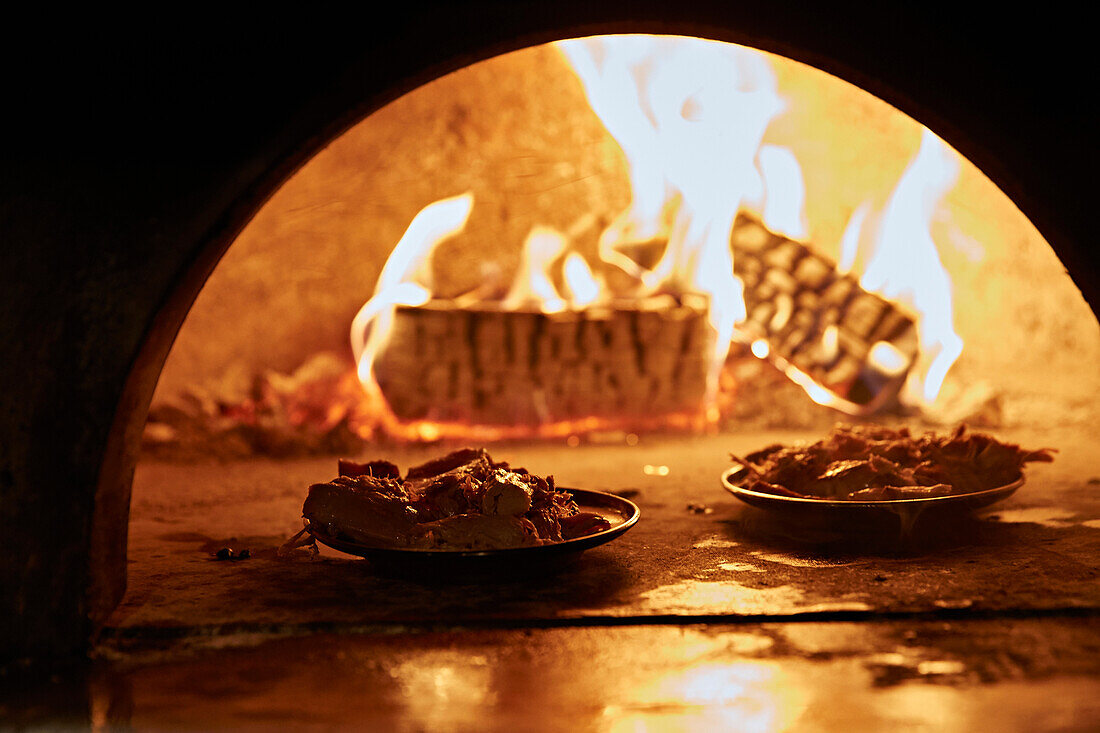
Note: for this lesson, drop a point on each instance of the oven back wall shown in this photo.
(135, 158)
(515, 132)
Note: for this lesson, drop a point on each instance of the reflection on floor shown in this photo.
(707, 615)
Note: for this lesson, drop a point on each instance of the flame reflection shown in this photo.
(751, 697)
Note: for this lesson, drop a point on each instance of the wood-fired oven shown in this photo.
(135, 161)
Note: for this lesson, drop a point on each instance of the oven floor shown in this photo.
(936, 675)
(696, 552)
(707, 611)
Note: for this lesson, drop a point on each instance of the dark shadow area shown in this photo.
(862, 534)
(77, 695)
(450, 592)
(881, 534)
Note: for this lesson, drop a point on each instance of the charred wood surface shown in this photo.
(490, 366)
(854, 343)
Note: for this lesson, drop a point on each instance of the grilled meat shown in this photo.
(875, 463)
(463, 500)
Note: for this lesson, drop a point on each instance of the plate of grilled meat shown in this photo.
(860, 468)
(463, 507)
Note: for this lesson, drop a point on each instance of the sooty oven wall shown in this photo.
(133, 158)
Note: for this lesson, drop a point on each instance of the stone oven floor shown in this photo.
(707, 615)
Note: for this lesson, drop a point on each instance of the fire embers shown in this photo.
(311, 411)
(865, 463)
(856, 346)
(462, 501)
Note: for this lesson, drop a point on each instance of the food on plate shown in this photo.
(462, 501)
(876, 463)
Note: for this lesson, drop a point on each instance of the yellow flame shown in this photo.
(888, 358)
(532, 286)
(689, 115)
(406, 278)
(849, 241)
(582, 287)
(783, 192)
(904, 264)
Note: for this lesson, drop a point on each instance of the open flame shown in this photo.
(581, 286)
(690, 116)
(406, 278)
(533, 286)
(903, 264)
(894, 255)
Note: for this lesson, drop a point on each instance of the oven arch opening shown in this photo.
(289, 201)
(221, 205)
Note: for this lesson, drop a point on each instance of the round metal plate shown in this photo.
(621, 513)
(901, 507)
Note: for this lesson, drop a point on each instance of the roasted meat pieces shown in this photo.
(875, 463)
(462, 501)
(365, 509)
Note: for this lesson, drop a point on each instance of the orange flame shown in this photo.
(406, 278)
(689, 115)
(783, 194)
(532, 287)
(582, 286)
(903, 264)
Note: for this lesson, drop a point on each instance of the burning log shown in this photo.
(819, 321)
(488, 366)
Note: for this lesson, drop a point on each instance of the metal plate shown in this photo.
(621, 513)
(906, 509)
